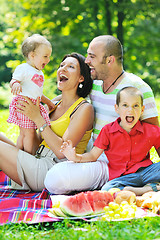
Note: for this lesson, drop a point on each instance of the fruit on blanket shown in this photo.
(112, 191)
(77, 205)
(125, 195)
(82, 204)
(116, 211)
(145, 201)
(149, 200)
(156, 203)
(115, 194)
(98, 200)
(149, 194)
(139, 201)
(57, 212)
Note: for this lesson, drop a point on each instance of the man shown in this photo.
(105, 58)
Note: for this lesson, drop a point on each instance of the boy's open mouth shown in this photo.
(129, 119)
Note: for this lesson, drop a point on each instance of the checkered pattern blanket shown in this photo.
(31, 207)
(22, 206)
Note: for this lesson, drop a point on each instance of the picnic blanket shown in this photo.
(22, 206)
(32, 207)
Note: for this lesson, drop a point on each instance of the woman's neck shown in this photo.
(69, 99)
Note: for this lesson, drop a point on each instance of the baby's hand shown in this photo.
(16, 88)
(50, 105)
(48, 102)
(68, 150)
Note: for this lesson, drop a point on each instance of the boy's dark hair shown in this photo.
(85, 72)
(132, 91)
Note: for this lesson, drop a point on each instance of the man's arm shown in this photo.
(152, 120)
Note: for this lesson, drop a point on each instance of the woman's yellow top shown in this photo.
(60, 125)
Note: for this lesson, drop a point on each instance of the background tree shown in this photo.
(70, 25)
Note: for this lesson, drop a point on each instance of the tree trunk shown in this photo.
(108, 17)
(120, 17)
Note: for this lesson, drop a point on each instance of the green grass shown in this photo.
(79, 230)
(147, 228)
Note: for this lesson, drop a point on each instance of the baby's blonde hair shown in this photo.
(32, 42)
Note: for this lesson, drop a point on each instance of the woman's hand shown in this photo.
(29, 109)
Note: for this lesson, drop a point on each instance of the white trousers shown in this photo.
(68, 176)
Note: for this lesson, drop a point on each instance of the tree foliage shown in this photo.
(70, 25)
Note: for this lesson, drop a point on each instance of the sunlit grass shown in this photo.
(8, 129)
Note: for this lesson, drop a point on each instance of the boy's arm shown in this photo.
(69, 151)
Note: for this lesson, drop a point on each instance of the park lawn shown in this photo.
(146, 228)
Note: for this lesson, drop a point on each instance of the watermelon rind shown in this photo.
(76, 206)
(81, 204)
(57, 212)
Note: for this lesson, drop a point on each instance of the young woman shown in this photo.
(72, 119)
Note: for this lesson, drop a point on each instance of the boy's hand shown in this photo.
(68, 150)
(16, 88)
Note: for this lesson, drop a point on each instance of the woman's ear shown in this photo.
(81, 79)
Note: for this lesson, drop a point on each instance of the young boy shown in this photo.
(126, 143)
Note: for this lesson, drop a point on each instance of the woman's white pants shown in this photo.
(66, 177)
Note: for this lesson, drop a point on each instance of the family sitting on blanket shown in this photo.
(73, 120)
(126, 143)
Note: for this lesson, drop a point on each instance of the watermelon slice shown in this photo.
(77, 205)
(57, 212)
(81, 204)
(98, 200)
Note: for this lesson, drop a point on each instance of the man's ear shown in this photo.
(110, 59)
